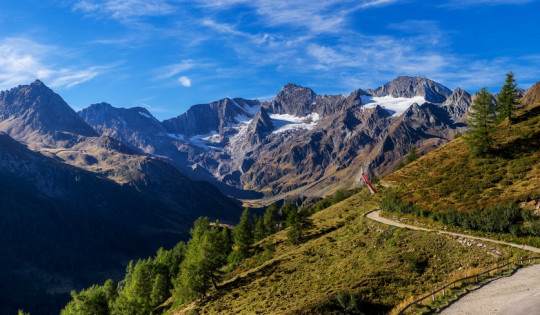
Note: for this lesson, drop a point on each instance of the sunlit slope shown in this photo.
(450, 178)
(345, 254)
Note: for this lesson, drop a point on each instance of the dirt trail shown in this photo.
(376, 215)
(518, 294)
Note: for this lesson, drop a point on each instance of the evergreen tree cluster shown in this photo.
(190, 270)
(146, 285)
(484, 115)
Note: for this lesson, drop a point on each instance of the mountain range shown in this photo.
(77, 206)
(82, 193)
(299, 142)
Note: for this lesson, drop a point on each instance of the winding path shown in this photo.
(518, 294)
(376, 216)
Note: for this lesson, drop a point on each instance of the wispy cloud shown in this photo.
(376, 3)
(125, 10)
(174, 69)
(469, 3)
(24, 60)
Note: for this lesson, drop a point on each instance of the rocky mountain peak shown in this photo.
(132, 126)
(259, 127)
(294, 100)
(532, 96)
(405, 86)
(34, 113)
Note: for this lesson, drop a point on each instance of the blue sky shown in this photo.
(167, 55)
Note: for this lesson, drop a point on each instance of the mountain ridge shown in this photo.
(211, 137)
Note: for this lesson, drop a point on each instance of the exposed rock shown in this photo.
(304, 141)
(414, 86)
(35, 114)
(293, 100)
(205, 118)
(457, 104)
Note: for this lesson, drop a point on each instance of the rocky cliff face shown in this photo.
(414, 86)
(35, 114)
(69, 189)
(214, 117)
(307, 143)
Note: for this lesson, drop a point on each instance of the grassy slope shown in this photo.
(449, 178)
(345, 252)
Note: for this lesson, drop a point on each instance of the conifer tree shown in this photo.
(258, 231)
(481, 124)
(243, 235)
(295, 229)
(411, 156)
(160, 290)
(269, 219)
(206, 253)
(507, 99)
(287, 208)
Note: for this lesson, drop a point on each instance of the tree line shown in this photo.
(485, 113)
(190, 270)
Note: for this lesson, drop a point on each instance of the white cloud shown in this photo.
(24, 60)
(172, 70)
(469, 3)
(125, 10)
(376, 3)
(185, 81)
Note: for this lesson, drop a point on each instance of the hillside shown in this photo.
(63, 228)
(345, 255)
(76, 207)
(450, 178)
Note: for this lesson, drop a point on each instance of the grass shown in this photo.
(429, 223)
(450, 178)
(346, 261)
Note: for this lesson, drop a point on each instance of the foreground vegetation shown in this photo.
(328, 258)
(345, 264)
(451, 178)
(342, 263)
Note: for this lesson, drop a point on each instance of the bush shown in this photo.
(501, 218)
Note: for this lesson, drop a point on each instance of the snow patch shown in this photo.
(285, 122)
(122, 120)
(252, 110)
(176, 136)
(202, 140)
(145, 115)
(394, 105)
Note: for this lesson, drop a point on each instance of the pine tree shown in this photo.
(243, 235)
(411, 156)
(507, 99)
(295, 229)
(206, 252)
(287, 208)
(87, 302)
(259, 231)
(481, 124)
(160, 290)
(269, 219)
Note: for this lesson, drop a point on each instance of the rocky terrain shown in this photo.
(76, 206)
(297, 143)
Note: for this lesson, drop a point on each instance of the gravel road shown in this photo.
(518, 294)
(376, 215)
